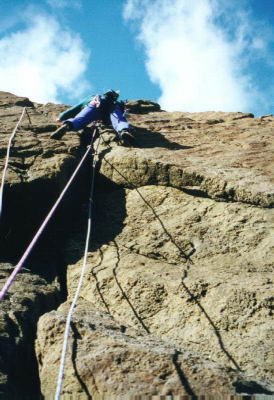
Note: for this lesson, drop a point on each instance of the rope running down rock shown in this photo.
(80, 282)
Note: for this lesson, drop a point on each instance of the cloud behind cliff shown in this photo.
(199, 53)
(42, 60)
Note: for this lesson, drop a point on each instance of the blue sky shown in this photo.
(197, 55)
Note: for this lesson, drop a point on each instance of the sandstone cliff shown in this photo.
(178, 293)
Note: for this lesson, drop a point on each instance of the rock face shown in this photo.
(226, 156)
(178, 293)
(28, 298)
(105, 358)
(38, 169)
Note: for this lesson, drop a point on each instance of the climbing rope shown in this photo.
(40, 230)
(7, 158)
(80, 282)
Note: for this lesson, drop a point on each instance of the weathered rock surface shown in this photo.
(105, 358)
(225, 155)
(198, 273)
(28, 298)
(178, 293)
(38, 169)
(34, 156)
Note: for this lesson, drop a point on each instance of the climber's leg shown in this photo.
(119, 122)
(59, 133)
(89, 114)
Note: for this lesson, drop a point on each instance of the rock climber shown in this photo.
(99, 107)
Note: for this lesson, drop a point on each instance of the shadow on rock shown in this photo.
(183, 378)
(149, 139)
(251, 387)
(95, 270)
(107, 221)
(185, 254)
(136, 314)
(215, 329)
(76, 337)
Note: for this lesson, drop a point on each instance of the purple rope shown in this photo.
(40, 230)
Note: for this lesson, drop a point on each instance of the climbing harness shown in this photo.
(7, 157)
(40, 230)
(80, 282)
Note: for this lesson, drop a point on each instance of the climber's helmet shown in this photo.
(112, 94)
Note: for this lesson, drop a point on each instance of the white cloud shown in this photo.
(43, 60)
(198, 63)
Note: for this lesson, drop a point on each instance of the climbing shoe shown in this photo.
(127, 138)
(59, 133)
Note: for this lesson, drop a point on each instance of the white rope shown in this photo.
(40, 230)
(7, 158)
(77, 293)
